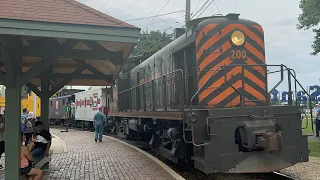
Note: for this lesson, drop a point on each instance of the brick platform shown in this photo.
(88, 160)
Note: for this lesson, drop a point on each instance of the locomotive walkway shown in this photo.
(77, 157)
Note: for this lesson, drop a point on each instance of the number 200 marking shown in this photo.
(237, 54)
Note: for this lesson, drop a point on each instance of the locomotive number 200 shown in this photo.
(238, 55)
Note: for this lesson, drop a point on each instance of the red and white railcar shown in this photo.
(87, 103)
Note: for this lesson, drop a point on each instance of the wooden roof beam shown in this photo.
(107, 78)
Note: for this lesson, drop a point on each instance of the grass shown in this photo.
(308, 130)
(314, 144)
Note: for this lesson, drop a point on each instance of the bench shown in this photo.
(41, 162)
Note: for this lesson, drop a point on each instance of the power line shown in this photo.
(200, 9)
(155, 8)
(216, 6)
(158, 13)
(155, 16)
(196, 7)
(172, 26)
(115, 2)
(130, 6)
(105, 5)
(206, 8)
(167, 20)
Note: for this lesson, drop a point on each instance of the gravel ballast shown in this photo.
(305, 171)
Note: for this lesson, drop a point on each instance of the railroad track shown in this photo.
(191, 174)
(253, 176)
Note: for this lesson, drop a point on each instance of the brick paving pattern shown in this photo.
(88, 160)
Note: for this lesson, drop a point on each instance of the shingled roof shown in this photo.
(59, 11)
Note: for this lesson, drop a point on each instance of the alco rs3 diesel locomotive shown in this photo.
(203, 99)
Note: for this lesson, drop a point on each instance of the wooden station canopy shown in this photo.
(53, 43)
(81, 45)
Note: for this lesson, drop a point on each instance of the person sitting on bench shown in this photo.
(26, 159)
(43, 140)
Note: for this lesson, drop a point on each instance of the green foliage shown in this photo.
(24, 90)
(150, 43)
(310, 18)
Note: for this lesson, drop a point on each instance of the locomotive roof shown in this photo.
(193, 25)
(169, 47)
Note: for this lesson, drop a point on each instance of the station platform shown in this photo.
(76, 156)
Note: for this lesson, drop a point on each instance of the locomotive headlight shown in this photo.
(237, 38)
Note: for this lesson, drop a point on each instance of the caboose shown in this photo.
(203, 99)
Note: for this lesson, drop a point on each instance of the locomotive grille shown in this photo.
(215, 49)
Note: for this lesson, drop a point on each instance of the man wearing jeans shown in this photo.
(43, 140)
(98, 123)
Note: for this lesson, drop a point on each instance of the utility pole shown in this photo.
(188, 7)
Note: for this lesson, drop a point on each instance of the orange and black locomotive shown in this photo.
(204, 99)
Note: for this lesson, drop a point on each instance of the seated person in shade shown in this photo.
(42, 140)
(25, 163)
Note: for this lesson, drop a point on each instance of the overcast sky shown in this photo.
(284, 43)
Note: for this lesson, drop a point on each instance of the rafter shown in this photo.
(55, 65)
(36, 69)
(107, 78)
(65, 81)
(41, 49)
(89, 67)
(34, 89)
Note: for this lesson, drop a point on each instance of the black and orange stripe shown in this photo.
(214, 49)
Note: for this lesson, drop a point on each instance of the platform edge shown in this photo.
(65, 149)
(164, 166)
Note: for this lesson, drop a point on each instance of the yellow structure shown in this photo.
(28, 103)
(25, 103)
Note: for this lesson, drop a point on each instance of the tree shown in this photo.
(150, 43)
(24, 91)
(309, 18)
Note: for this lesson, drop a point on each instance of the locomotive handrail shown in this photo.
(290, 96)
(204, 144)
(292, 73)
(180, 70)
(181, 100)
(307, 120)
(208, 130)
(280, 81)
(283, 68)
(225, 79)
(309, 100)
(195, 94)
(183, 123)
(295, 84)
(232, 65)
